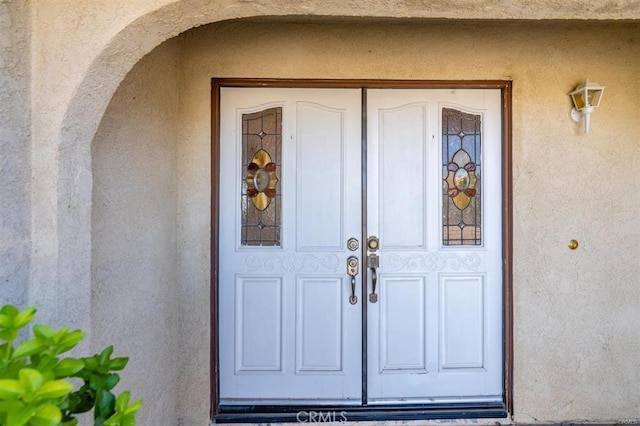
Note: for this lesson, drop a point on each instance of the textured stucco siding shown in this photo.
(105, 198)
(564, 186)
(575, 332)
(134, 293)
(15, 152)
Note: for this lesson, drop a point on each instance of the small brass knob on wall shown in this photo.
(573, 244)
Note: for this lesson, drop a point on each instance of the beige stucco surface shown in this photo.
(134, 293)
(66, 208)
(575, 332)
(15, 152)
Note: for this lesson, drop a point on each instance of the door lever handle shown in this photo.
(352, 270)
(373, 262)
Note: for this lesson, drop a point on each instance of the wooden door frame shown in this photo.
(505, 86)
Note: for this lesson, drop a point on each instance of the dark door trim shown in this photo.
(270, 414)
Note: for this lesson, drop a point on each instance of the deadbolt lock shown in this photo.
(372, 243)
(353, 244)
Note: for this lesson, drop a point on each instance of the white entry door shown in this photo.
(290, 316)
(289, 201)
(434, 202)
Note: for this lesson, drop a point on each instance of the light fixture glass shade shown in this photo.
(587, 95)
(578, 100)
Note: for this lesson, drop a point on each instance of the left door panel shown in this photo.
(290, 180)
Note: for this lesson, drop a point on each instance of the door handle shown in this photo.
(373, 262)
(352, 270)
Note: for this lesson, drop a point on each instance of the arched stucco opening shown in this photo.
(146, 29)
(65, 276)
(225, 49)
(107, 287)
(97, 272)
(101, 267)
(135, 296)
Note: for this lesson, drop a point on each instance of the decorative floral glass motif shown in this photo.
(261, 180)
(461, 179)
(461, 195)
(260, 198)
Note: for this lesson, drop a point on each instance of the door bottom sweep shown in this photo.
(343, 414)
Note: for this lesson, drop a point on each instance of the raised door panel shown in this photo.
(403, 325)
(320, 323)
(258, 307)
(402, 172)
(320, 178)
(462, 322)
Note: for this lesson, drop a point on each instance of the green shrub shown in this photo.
(34, 379)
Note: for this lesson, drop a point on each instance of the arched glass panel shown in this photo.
(461, 178)
(261, 162)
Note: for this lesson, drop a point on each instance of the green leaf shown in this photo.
(5, 321)
(6, 406)
(133, 408)
(46, 364)
(125, 415)
(105, 355)
(9, 310)
(60, 334)
(43, 332)
(30, 379)
(111, 381)
(11, 389)
(54, 389)
(9, 334)
(72, 422)
(80, 402)
(46, 415)
(91, 363)
(10, 370)
(122, 401)
(24, 317)
(70, 340)
(68, 367)
(114, 420)
(97, 381)
(20, 417)
(105, 404)
(28, 348)
(117, 364)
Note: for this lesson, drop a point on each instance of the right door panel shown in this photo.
(434, 200)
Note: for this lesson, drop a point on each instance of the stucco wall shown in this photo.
(576, 334)
(15, 150)
(134, 226)
(82, 50)
(575, 311)
(573, 350)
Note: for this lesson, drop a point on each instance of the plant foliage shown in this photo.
(35, 386)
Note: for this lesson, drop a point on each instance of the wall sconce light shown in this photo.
(585, 99)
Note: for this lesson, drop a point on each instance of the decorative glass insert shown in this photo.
(261, 195)
(461, 182)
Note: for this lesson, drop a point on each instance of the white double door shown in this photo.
(292, 176)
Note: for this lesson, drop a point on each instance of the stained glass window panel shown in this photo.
(461, 178)
(261, 194)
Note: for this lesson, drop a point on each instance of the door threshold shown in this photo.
(343, 414)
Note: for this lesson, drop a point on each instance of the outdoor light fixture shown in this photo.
(585, 99)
